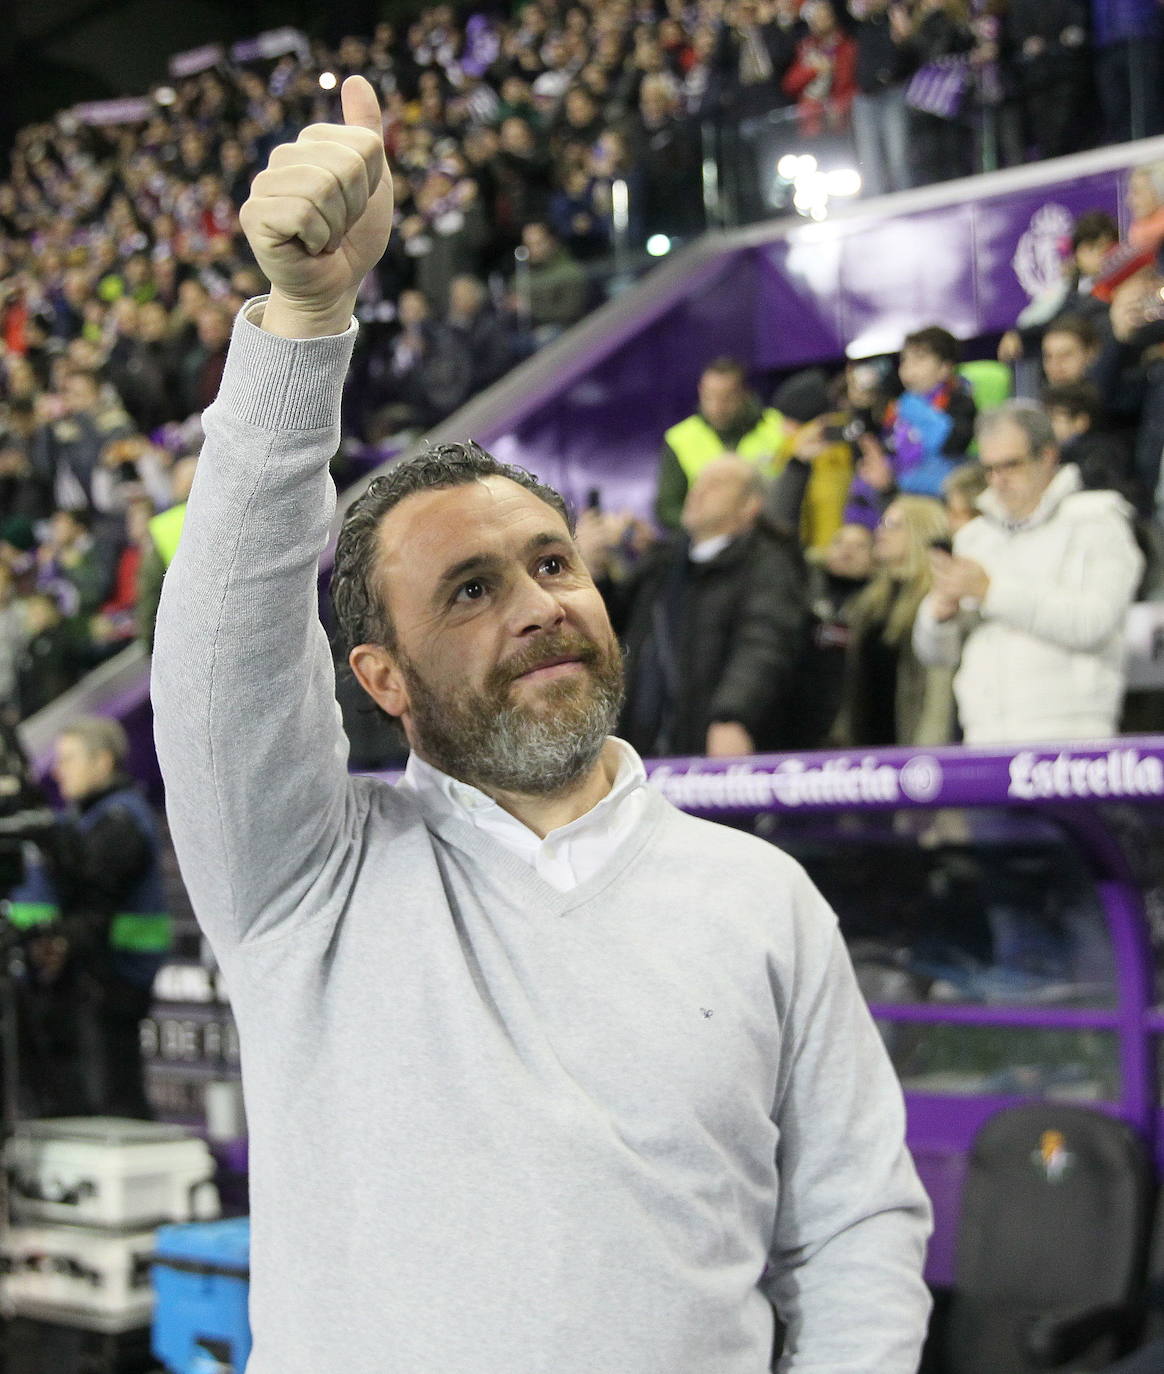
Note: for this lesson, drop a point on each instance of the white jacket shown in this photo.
(1044, 657)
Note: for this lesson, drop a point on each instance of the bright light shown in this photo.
(658, 245)
(819, 212)
(165, 95)
(328, 81)
(788, 166)
(806, 164)
(844, 181)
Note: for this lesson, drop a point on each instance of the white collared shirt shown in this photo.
(567, 856)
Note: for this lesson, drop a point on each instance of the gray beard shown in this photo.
(494, 745)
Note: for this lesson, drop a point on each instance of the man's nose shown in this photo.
(535, 607)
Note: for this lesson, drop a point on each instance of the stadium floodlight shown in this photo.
(328, 80)
(165, 95)
(844, 181)
(806, 164)
(788, 167)
(658, 245)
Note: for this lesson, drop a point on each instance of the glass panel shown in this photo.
(1139, 830)
(979, 906)
(979, 1061)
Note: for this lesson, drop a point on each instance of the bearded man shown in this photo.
(541, 1074)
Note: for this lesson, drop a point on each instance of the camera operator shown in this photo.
(94, 883)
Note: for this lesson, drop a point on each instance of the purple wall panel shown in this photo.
(896, 274)
(798, 304)
(1016, 238)
(605, 430)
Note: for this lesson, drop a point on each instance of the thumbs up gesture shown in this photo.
(318, 218)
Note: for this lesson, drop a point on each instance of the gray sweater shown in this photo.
(497, 1128)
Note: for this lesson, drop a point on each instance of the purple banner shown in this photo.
(876, 780)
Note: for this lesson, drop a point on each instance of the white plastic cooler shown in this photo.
(109, 1172)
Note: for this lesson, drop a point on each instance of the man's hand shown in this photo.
(319, 216)
(874, 466)
(956, 580)
(1010, 347)
(727, 739)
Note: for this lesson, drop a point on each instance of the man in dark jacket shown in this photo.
(880, 117)
(95, 898)
(712, 623)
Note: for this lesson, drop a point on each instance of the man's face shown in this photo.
(719, 501)
(922, 371)
(78, 772)
(1067, 426)
(538, 242)
(79, 395)
(722, 397)
(1017, 477)
(1065, 358)
(505, 672)
(850, 552)
(1090, 254)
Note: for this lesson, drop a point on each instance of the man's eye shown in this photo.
(471, 591)
(553, 564)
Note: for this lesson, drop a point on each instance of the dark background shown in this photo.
(54, 53)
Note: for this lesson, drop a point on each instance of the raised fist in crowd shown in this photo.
(319, 216)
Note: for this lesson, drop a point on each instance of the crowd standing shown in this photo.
(512, 138)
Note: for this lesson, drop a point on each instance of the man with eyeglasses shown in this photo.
(1034, 596)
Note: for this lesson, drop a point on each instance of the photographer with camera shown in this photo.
(93, 902)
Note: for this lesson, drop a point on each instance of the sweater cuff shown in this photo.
(284, 384)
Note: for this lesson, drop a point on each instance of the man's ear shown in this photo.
(379, 675)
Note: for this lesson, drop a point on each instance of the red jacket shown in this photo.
(823, 98)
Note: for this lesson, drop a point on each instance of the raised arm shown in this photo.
(247, 728)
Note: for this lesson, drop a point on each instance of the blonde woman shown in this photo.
(889, 697)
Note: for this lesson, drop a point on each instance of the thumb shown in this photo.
(360, 106)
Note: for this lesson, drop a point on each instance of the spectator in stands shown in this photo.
(1093, 236)
(485, 337)
(837, 575)
(823, 78)
(1049, 43)
(551, 296)
(889, 696)
(924, 435)
(48, 662)
(157, 551)
(1127, 43)
(938, 34)
(1033, 598)
(446, 234)
(712, 623)
(1129, 373)
(95, 884)
(1102, 457)
(141, 367)
(72, 567)
(24, 492)
(664, 148)
(880, 116)
(1070, 350)
(730, 419)
(13, 636)
(960, 493)
(66, 452)
(201, 369)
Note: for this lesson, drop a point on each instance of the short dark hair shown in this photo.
(1079, 325)
(361, 612)
(727, 367)
(1076, 398)
(936, 340)
(1093, 225)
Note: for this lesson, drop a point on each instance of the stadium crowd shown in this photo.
(122, 265)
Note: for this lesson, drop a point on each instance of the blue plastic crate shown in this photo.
(201, 1277)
